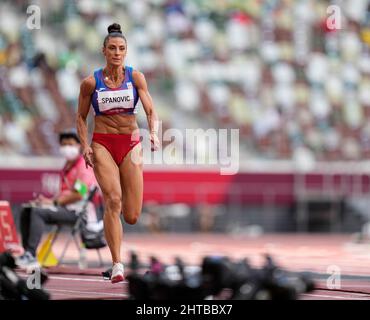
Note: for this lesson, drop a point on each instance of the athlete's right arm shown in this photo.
(84, 100)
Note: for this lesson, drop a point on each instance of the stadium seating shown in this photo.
(271, 68)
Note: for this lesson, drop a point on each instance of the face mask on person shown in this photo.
(70, 152)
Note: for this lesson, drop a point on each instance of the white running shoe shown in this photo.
(27, 261)
(117, 273)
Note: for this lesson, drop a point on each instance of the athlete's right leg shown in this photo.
(108, 177)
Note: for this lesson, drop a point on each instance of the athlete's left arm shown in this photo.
(147, 101)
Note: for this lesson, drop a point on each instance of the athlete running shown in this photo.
(113, 91)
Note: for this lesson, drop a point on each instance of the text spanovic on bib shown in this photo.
(115, 101)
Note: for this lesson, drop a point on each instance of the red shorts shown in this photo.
(118, 145)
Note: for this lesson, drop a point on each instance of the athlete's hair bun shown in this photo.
(114, 28)
(114, 31)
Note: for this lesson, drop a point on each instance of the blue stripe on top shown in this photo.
(127, 84)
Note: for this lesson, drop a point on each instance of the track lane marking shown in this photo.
(89, 292)
(333, 297)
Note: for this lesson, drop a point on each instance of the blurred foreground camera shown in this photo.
(13, 287)
(218, 276)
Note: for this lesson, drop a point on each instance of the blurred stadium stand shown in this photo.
(298, 92)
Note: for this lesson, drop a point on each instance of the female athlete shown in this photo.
(113, 91)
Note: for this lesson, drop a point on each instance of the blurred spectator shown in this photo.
(271, 68)
(206, 216)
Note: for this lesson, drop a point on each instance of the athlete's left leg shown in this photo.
(131, 178)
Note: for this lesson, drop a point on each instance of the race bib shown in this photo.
(119, 99)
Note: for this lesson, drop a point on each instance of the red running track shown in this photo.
(317, 253)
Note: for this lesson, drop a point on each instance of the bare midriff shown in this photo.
(115, 124)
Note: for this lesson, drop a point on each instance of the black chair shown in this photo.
(77, 229)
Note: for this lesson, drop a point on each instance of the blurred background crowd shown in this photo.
(272, 68)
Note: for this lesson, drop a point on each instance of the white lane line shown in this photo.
(125, 282)
(342, 292)
(76, 279)
(333, 297)
(82, 279)
(345, 288)
(89, 292)
(70, 297)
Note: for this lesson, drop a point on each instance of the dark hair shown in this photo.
(69, 133)
(114, 30)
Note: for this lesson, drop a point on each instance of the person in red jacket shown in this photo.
(76, 179)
